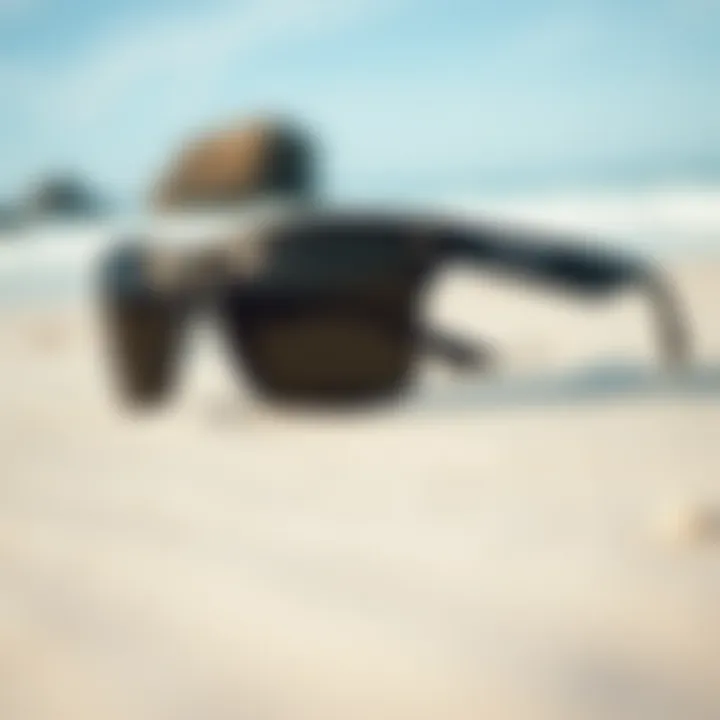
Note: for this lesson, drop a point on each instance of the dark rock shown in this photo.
(62, 196)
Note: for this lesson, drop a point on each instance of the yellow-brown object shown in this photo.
(232, 165)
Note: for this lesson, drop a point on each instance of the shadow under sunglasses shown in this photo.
(592, 385)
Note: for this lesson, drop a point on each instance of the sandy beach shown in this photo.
(225, 560)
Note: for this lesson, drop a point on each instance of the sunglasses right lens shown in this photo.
(327, 356)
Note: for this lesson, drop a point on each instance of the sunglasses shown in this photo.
(324, 306)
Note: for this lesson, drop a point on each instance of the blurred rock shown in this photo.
(232, 165)
(62, 196)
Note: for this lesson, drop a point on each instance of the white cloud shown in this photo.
(182, 53)
(178, 54)
(170, 67)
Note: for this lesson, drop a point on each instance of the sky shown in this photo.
(403, 95)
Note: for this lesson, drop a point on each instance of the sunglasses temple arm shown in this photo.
(457, 351)
(671, 327)
(582, 269)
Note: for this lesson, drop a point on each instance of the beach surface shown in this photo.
(454, 558)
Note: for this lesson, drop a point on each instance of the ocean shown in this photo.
(48, 263)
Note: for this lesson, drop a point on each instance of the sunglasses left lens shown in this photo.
(144, 328)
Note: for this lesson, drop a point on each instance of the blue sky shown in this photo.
(403, 93)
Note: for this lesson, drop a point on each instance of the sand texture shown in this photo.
(225, 560)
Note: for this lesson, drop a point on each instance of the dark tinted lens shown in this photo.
(144, 329)
(329, 314)
(321, 352)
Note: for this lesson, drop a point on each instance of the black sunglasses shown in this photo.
(324, 306)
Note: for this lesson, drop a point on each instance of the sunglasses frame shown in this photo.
(325, 262)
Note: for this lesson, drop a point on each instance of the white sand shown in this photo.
(221, 560)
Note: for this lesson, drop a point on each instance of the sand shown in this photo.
(223, 560)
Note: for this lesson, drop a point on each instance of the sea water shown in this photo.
(53, 262)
